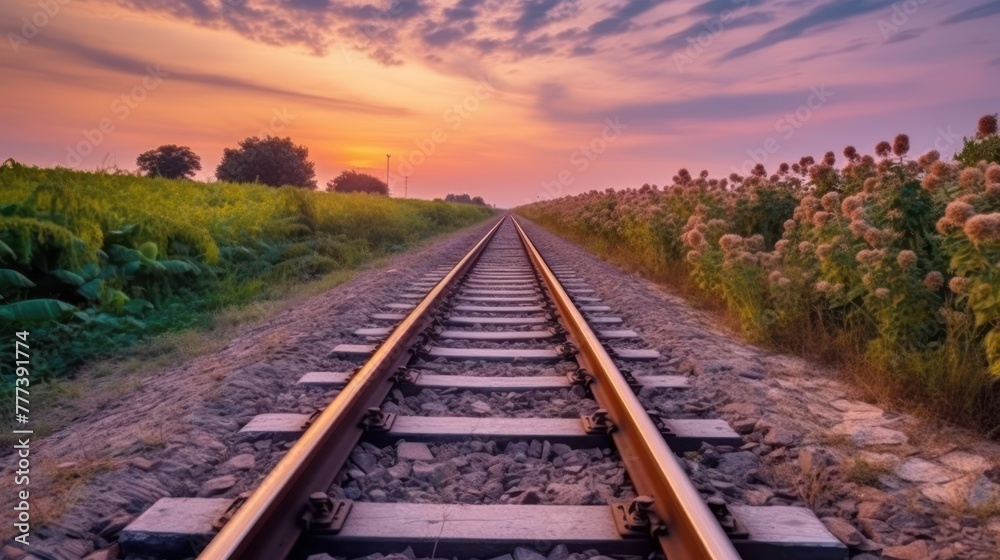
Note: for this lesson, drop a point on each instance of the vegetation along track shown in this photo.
(491, 419)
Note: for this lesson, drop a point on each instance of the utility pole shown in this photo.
(406, 185)
(387, 156)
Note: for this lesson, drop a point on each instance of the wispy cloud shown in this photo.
(983, 11)
(825, 16)
(680, 39)
(620, 20)
(125, 64)
(907, 35)
(832, 51)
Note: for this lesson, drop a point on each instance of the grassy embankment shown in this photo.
(886, 266)
(93, 264)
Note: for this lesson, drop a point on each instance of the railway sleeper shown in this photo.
(420, 381)
(681, 435)
(380, 332)
(494, 354)
(180, 527)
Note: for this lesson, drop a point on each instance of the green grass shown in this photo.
(96, 263)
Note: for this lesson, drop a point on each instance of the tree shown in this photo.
(352, 181)
(465, 199)
(272, 161)
(169, 161)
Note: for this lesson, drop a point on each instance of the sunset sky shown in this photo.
(507, 100)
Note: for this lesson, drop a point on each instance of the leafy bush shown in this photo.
(984, 146)
(352, 181)
(887, 258)
(169, 161)
(270, 161)
(93, 263)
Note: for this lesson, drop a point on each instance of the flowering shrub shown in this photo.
(883, 252)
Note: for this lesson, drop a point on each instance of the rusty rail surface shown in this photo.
(685, 527)
(268, 523)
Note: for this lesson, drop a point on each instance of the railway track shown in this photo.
(493, 411)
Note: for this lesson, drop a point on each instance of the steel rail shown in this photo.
(689, 530)
(267, 526)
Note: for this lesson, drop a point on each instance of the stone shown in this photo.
(422, 471)
(435, 473)
(110, 553)
(574, 494)
(142, 463)
(920, 470)
(738, 464)
(983, 492)
(559, 552)
(741, 409)
(434, 407)
(109, 526)
(880, 510)
(504, 557)
(216, 486)
(414, 451)
(875, 529)
(475, 479)
(951, 493)
(865, 436)
(376, 451)
(779, 437)
(561, 449)
(70, 548)
(907, 520)
(13, 553)
(743, 426)
(535, 449)
(815, 459)
(400, 470)
(916, 550)
(479, 407)
(844, 405)
(364, 460)
(242, 462)
(522, 553)
(965, 462)
(320, 556)
(843, 530)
